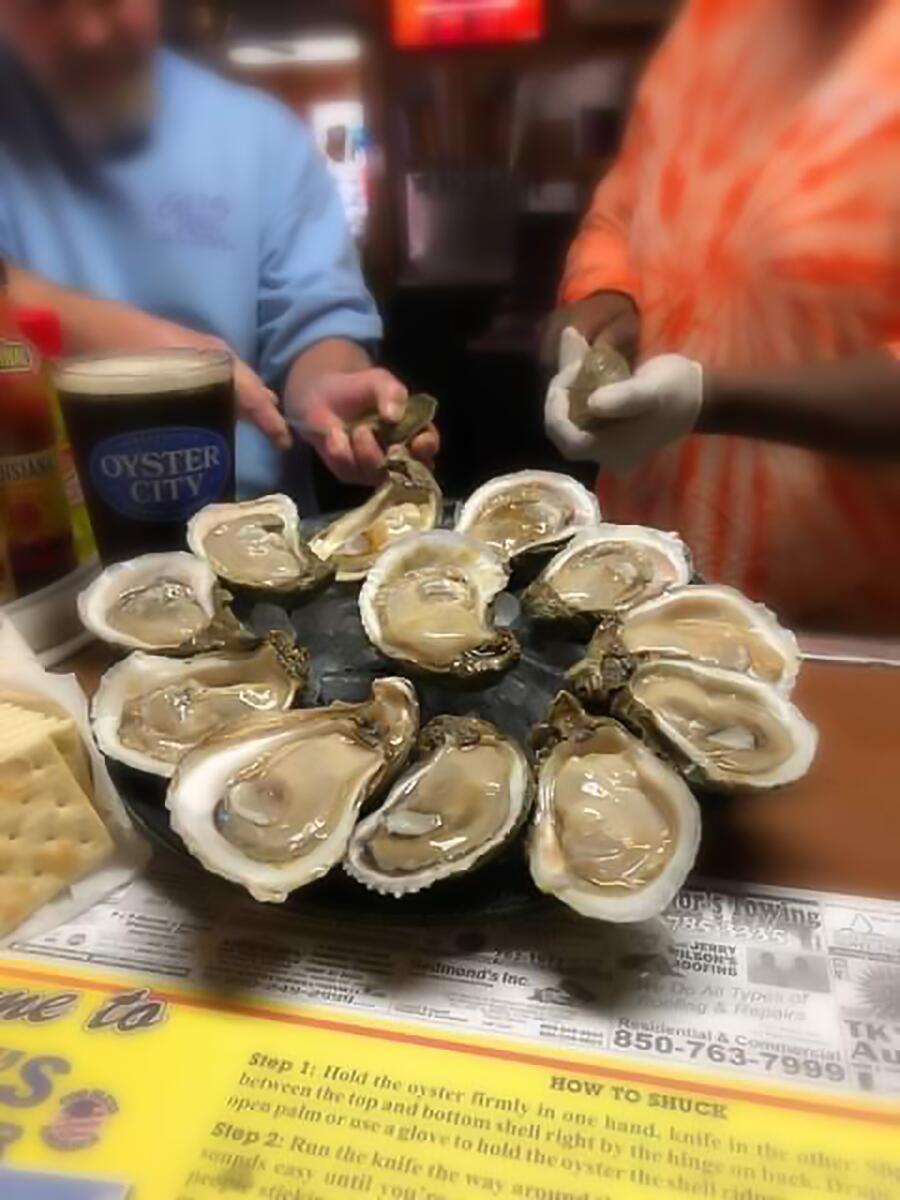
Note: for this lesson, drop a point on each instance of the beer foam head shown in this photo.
(152, 374)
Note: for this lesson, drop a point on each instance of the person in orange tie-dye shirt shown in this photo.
(746, 247)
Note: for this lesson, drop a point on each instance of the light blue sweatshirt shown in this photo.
(222, 217)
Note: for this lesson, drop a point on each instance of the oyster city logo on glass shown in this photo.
(161, 474)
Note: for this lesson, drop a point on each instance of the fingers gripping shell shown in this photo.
(602, 365)
(457, 807)
(419, 412)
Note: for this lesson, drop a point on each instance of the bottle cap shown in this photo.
(42, 327)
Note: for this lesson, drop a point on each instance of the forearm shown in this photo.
(850, 407)
(333, 356)
(89, 325)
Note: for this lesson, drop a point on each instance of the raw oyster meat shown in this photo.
(162, 603)
(604, 571)
(270, 803)
(420, 411)
(149, 711)
(257, 546)
(408, 502)
(602, 365)
(427, 603)
(528, 512)
(455, 808)
(724, 730)
(711, 624)
(616, 830)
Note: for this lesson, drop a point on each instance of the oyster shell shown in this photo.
(604, 571)
(712, 624)
(724, 730)
(409, 501)
(420, 411)
(528, 512)
(427, 603)
(459, 805)
(162, 603)
(150, 711)
(256, 546)
(270, 802)
(602, 365)
(616, 830)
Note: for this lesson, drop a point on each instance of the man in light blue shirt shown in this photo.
(154, 204)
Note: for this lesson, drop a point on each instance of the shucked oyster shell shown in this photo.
(256, 546)
(270, 802)
(725, 731)
(616, 830)
(528, 512)
(409, 501)
(149, 711)
(161, 603)
(711, 624)
(420, 411)
(459, 805)
(604, 571)
(427, 603)
(602, 365)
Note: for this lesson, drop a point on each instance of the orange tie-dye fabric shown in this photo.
(754, 215)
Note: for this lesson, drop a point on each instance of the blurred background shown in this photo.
(465, 137)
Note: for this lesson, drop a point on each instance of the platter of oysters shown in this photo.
(438, 704)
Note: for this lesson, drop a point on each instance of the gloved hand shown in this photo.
(658, 405)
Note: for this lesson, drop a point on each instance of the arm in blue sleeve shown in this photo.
(311, 286)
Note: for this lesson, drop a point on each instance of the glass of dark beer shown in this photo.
(153, 439)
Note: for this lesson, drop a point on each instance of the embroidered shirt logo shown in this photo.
(194, 219)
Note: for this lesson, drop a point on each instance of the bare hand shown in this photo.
(331, 402)
(612, 314)
(255, 402)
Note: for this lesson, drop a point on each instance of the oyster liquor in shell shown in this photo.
(257, 548)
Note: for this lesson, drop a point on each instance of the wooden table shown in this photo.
(839, 829)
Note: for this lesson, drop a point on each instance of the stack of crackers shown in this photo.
(50, 833)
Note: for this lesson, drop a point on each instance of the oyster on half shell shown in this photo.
(527, 513)
(725, 731)
(409, 501)
(427, 602)
(161, 603)
(149, 711)
(256, 546)
(710, 624)
(270, 802)
(463, 800)
(616, 830)
(606, 570)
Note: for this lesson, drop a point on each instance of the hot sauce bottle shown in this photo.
(42, 328)
(33, 501)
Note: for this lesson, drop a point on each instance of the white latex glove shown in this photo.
(658, 405)
(572, 442)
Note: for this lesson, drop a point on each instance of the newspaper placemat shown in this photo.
(797, 987)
